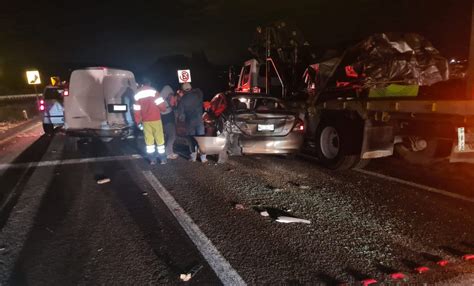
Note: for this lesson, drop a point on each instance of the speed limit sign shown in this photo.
(184, 76)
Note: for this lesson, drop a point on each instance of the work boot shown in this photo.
(153, 162)
(203, 158)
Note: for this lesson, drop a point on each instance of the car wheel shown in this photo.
(48, 128)
(333, 147)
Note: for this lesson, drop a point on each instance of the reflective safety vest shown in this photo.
(148, 105)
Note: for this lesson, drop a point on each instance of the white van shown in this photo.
(99, 103)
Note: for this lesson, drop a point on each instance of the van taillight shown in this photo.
(299, 126)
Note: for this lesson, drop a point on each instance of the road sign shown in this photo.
(184, 76)
(33, 77)
(55, 80)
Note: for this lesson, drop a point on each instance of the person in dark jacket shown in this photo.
(190, 111)
(169, 121)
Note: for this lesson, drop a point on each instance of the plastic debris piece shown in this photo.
(368, 281)
(289, 219)
(442, 263)
(145, 194)
(187, 276)
(100, 249)
(103, 181)
(398, 276)
(304, 187)
(3, 248)
(422, 269)
(264, 213)
(468, 257)
(239, 206)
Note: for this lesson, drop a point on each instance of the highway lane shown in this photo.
(361, 226)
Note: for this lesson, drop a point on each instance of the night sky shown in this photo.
(134, 34)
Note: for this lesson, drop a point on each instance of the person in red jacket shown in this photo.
(147, 110)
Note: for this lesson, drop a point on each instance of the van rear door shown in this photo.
(119, 89)
(85, 108)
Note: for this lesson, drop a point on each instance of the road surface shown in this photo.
(149, 224)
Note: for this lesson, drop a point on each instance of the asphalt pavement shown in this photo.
(150, 224)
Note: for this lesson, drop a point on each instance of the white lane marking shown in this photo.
(219, 264)
(405, 182)
(18, 133)
(416, 185)
(70, 161)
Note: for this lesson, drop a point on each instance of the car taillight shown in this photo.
(299, 126)
(41, 107)
(66, 92)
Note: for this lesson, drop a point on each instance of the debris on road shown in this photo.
(187, 276)
(279, 215)
(100, 249)
(103, 181)
(264, 213)
(144, 194)
(48, 229)
(289, 219)
(2, 248)
(239, 206)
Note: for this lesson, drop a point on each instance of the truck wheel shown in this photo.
(332, 147)
(48, 128)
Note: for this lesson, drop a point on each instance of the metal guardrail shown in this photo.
(17, 97)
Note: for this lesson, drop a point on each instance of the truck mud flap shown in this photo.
(463, 148)
(378, 140)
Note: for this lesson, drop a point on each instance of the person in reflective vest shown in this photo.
(147, 108)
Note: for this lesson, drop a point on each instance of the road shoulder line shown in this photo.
(70, 161)
(9, 138)
(218, 263)
(416, 185)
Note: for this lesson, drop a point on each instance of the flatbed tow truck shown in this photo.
(345, 130)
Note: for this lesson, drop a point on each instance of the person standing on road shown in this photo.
(190, 111)
(147, 111)
(169, 121)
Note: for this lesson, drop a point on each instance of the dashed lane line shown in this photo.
(16, 134)
(416, 185)
(70, 161)
(218, 263)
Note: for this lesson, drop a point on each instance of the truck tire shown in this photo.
(333, 146)
(48, 128)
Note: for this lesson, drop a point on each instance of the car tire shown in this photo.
(333, 146)
(48, 128)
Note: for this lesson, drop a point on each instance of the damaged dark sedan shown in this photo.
(241, 123)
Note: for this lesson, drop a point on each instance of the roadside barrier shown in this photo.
(17, 97)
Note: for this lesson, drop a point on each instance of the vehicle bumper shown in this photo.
(290, 143)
